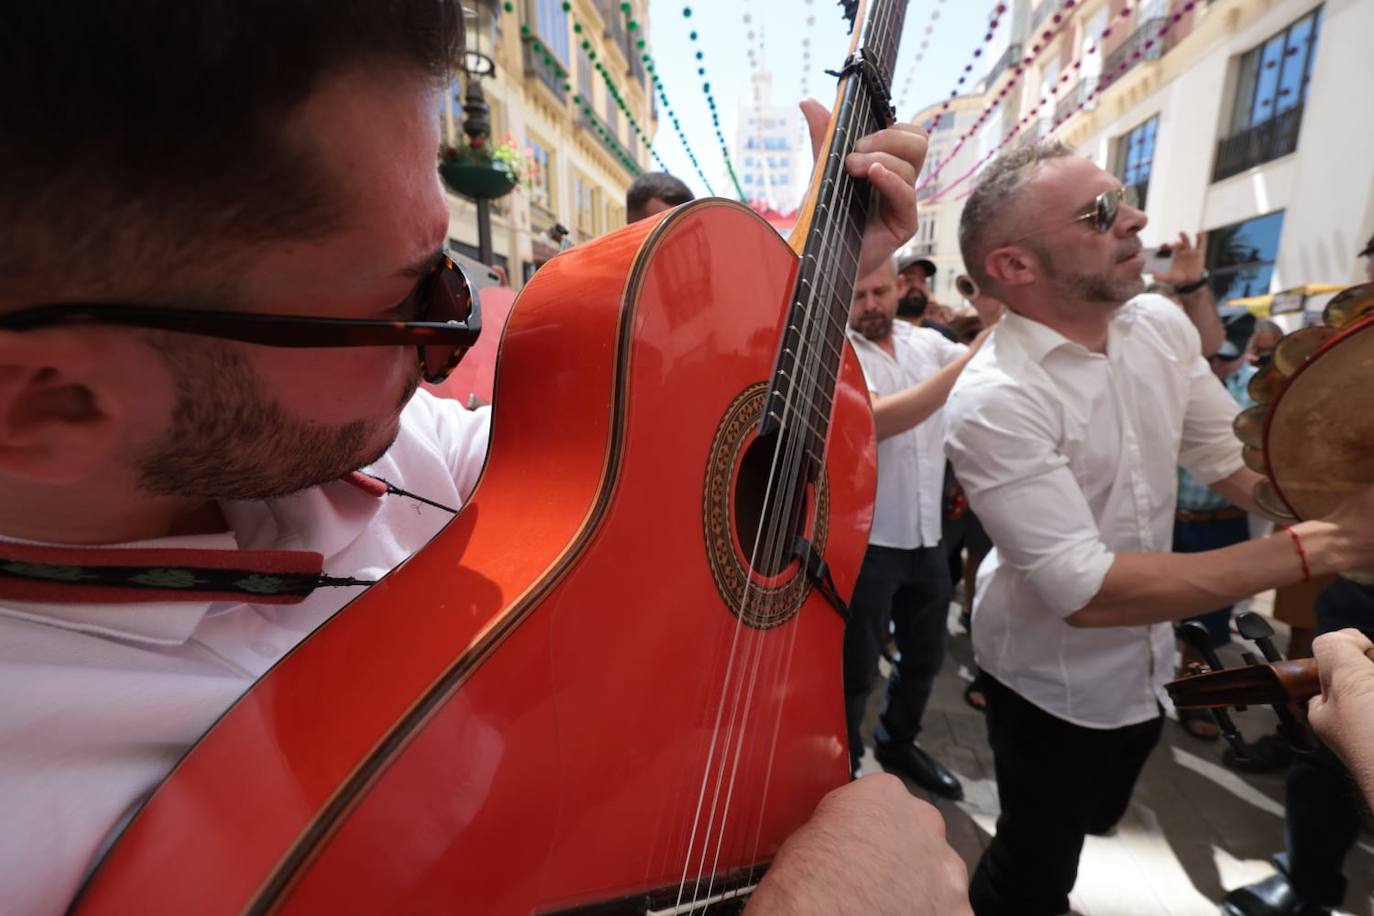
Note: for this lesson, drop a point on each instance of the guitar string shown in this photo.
(882, 33)
(764, 528)
(807, 381)
(782, 509)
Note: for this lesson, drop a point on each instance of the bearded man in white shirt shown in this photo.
(1065, 431)
(905, 574)
(235, 163)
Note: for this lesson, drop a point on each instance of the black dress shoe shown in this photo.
(1273, 896)
(915, 764)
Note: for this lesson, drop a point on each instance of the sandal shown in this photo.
(1199, 723)
(974, 695)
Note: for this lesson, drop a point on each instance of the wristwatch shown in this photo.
(1196, 285)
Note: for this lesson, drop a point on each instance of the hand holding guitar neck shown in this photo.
(1343, 713)
(890, 160)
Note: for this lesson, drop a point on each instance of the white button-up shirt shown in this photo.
(1068, 457)
(911, 464)
(98, 702)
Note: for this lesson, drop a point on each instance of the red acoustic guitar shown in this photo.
(612, 683)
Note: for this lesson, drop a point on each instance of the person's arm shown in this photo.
(1142, 588)
(1343, 715)
(870, 849)
(1018, 483)
(896, 413)
(1185, 268)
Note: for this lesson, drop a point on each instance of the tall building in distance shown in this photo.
(771, 167)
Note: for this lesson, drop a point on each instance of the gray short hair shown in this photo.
(988, 206)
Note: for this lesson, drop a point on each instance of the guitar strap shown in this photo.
(114, 575)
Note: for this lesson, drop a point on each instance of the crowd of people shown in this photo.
(1094, 445)
(149, 412)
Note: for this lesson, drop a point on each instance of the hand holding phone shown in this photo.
(1159, 260)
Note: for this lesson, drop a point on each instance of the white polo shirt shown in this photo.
(911, 464)
(97, 702)
(1068, 457)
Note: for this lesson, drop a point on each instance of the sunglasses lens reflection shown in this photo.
(446, 298)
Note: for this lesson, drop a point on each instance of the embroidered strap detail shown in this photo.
(112, 575)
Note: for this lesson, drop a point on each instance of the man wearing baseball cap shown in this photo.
(914, 274)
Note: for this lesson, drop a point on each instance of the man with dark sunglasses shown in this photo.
(221, 281)
(1065, 431)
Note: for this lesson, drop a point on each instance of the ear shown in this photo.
(1012, 265)
(54, 423)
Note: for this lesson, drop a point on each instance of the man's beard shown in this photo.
(1104, 287)
(873, 325)
(231, 440)
(912, 305)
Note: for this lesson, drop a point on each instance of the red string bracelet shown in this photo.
(1302, 554)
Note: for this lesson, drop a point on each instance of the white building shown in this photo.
(771, 164)
(939, 200)
(1253, 125)
(1246, 118)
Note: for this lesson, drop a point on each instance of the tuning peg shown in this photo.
(1256, 629)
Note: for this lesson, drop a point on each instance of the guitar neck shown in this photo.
(829, 235)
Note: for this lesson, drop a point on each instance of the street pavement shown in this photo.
(1195, 829)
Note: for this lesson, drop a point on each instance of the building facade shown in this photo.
(937, 228)
(568, 79)
(1245, 118)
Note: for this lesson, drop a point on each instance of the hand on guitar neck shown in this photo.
(871, 848)
(890, 160)
(1343, 714)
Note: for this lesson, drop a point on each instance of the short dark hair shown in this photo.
(654, 186)
(996, 189)
(135, 129)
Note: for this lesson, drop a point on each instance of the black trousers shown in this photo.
(1057, 782)
(911, 588)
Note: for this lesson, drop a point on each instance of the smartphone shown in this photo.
(1158, 260)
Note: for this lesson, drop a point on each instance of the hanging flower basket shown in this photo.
(476, 169)
(473, 180)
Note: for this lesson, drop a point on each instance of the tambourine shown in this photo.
(1311, 433)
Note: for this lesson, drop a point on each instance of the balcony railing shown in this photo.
(1010, 57)
(1276, 137)
(603, 134)
(922, 249)
(1144, 44)
(1070, 101)
(537, 64)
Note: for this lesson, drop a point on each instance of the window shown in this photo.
(540, 165)
(1240, 257)
(1134, 157)
(945, 121)
(1271, 89)
(551, 21)
(585, 201)
(584, 77)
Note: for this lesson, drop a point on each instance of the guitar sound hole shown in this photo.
(773, 517)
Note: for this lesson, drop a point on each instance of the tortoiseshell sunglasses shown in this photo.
(448, 322)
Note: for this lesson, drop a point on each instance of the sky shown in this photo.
(782, 26)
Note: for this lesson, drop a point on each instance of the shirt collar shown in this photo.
(1039, 340)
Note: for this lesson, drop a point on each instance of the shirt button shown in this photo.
(265, 649)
